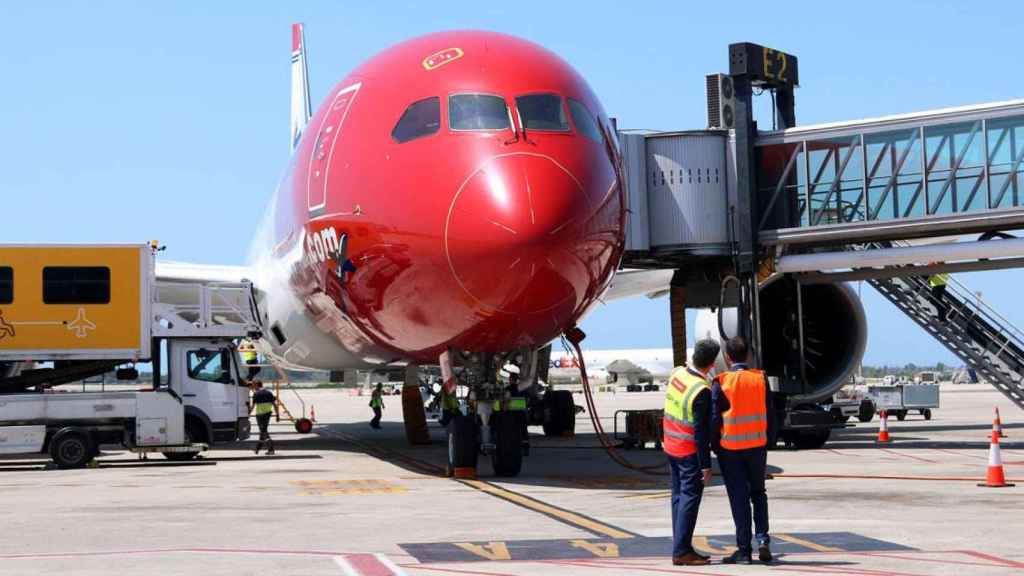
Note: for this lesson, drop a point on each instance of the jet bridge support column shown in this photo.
(753, 66)
(677, 312)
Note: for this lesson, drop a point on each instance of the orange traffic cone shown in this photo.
(883, 429)
(997, 425)
(995, 477)
(312, 413)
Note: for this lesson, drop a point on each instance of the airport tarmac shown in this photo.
(351, 500)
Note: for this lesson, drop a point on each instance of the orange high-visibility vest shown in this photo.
(745, 423)
(678, 437)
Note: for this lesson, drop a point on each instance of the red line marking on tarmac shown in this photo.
(837, 570)
(955, 453)
(618, 565)
(997, 559)
(919, 559)
(45, 555)
(453, 570)
(908, 456)
(363, 565)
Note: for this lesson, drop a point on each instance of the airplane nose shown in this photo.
(515, 236)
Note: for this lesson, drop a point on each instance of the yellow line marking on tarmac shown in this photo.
(489, 551)
(806, 543)
(342, 487)
(702, 544)
(564, 515)
(654, 496)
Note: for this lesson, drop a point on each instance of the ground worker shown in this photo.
(687, 442)
(743, 423)
(938, 282)
(249, 356)
(263, 404)
(377, 404)
(449, 406)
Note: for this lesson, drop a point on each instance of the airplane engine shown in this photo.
(834, 333)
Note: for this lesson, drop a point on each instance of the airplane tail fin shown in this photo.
(301, 109)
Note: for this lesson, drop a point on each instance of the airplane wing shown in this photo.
(629, 283)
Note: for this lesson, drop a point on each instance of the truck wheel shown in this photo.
(927, 413)
(810, 439)
(507, 458)
(72, 448)
(559, 412)
(303, 425)
(192, 434)
(867, 411)
(463, 445)
(901, 415)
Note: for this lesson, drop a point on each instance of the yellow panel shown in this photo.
(29, 324)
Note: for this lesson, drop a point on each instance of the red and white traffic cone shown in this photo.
(883, 429)
(995, 477)
(997, 425)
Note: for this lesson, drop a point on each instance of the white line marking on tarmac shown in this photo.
(346, 568)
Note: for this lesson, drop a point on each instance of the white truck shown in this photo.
(100, 307)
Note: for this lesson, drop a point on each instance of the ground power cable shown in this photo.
(574, 337)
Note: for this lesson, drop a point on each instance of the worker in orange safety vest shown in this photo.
(686, 440)
(743, 423)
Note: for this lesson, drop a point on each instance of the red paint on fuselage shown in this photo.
(472, 239)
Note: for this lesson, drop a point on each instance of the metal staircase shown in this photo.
(974, 331)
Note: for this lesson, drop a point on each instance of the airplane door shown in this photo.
(323, 148)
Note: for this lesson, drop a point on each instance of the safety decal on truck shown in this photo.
(80, 325)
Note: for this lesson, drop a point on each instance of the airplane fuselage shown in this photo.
(458, 190)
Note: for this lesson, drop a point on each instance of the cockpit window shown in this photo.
(421, 118)
(542, 112)
(585, 123)
(477, 112)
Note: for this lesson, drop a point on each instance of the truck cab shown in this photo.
(206, 374)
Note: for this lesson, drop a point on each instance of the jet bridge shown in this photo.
(731, 209)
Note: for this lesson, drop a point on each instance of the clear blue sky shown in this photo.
(126, 121)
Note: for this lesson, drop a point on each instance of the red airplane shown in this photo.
(456, 198)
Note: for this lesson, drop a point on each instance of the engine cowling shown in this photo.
(835, 335)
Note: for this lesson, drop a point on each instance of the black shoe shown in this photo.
(738, 557)
(764, 554)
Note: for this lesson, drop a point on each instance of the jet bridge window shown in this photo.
(209, 365)
(542, 112)
(584, 121)
(477, 112)
(421, 118)
(6, 284)
(76, 285)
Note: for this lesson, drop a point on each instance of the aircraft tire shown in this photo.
(560, 413)
(463, 445)
(507, 458)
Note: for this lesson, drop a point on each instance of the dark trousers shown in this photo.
(743, 472)
(687, 490)
(376, 417)
(253, 370)
(941, 308)
(263, 421)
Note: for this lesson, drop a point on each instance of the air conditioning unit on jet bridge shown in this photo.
(721, 101)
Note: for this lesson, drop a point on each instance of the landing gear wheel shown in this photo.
(927, 412)
(507, 431)
(867, 411)
(72, 448)
(463, 443)
(303, 425)
(559, 413)
(191, 434)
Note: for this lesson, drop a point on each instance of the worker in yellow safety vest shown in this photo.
(249, 356)
(937, 283)
(449, 406)
(743, 424)
(377, 405)
(263, 404)
(687, 443)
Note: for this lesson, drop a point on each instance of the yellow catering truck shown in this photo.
(75, 302)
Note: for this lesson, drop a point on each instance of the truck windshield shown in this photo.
(209, 366)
